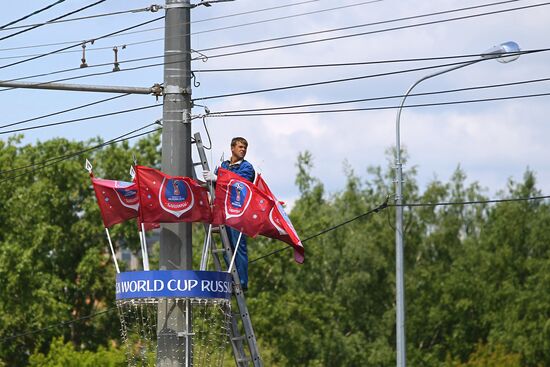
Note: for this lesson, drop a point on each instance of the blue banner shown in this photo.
(173, 284)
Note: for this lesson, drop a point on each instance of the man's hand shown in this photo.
(209, 176)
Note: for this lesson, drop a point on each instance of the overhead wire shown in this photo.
(324, 82)
(57, 18)
(385, 205)
(80, 119)
(158, 28)
(261, 49)
(64, 111)
(63, 323)
(80, 43)
(378, 108)
(370, 99)
(35, 167)
(31, 14)
(283, 67)
(268, 48)
(138, 10)
(127, 44)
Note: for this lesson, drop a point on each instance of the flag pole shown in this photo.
(235, 253)
(204, 258)
(144, 248)
(112, 250)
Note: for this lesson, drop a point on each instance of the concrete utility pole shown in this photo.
(174, 319)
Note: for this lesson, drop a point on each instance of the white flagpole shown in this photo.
(235, 253)
(112, 250)
(205, 249)
(143, 241)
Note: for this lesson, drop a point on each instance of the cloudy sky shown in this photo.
(492, 141)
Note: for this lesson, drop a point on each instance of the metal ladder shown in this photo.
(237, 340)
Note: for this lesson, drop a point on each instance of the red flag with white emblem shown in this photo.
(167, 199)
(279, 226)
(118, 200)
(239, 204)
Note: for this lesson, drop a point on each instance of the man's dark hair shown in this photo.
(239, 139)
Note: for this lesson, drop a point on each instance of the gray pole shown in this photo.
(155, 90)
(399, 244)
(504, 53)
(175, 238)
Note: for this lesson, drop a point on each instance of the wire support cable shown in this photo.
(35, 167)
(378, 108)
(63, 111)
(80, 119)
(210, 30)
(261, 49)
(152, 8)
(53, 20)
(60, 324)
(343, 64)
(31, 14)
(380, 207)
(479, 87)
(331, 81)
(80, 43)
(412, 205)
(158, 28)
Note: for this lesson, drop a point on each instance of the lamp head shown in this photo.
(499, 52)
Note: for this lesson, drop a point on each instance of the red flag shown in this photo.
(279, 226)
(168, 199)
(239, 204)
(118, 200)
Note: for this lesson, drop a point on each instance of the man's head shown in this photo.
(238, 148)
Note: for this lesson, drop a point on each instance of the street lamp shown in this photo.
(505, 52)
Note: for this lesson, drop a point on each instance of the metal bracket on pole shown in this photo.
(178, 5)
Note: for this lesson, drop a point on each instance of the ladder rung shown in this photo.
(237, 338)
(245, 359)
(215, 229)
(197, 163)
(218, 250)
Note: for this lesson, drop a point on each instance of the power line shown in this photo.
(324, 82)
(361, 33)
(80, 119)
(57, 18)
(212, 30)
(81, 43)
(152, 8)
(63, 111)
(386, 205)
(157, 28)
(433, 58)
(488, 86)
(63, 323)
(387, 107)
(380, 207)
(31, 14)
(473, 202)
(53, 161)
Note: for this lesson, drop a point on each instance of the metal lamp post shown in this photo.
(505, 52)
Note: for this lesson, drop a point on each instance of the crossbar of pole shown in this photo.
(83, 87)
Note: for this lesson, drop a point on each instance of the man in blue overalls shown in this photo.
(243, 168)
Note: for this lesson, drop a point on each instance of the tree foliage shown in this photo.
(477, 276)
